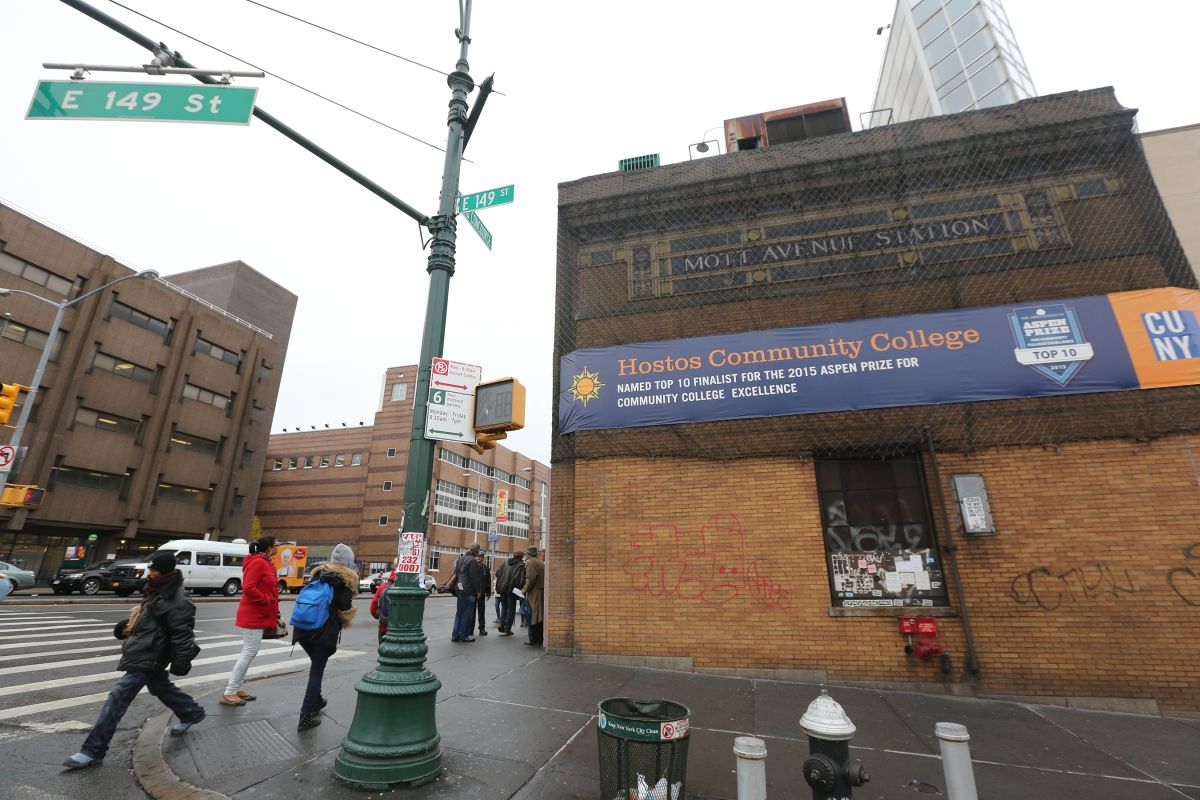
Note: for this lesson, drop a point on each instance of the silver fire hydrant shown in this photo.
(828, 769)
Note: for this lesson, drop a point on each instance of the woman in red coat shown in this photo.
(257, 612)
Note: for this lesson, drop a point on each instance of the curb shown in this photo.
(52, 600)
(153, 773)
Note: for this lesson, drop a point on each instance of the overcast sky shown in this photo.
(585, 84)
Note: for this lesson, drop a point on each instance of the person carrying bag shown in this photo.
(258, 613)
(323, 608)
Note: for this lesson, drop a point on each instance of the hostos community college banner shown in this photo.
(1129, 340)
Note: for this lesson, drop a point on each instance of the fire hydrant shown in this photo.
(828, 769)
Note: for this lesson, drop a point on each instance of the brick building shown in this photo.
(152, 418)
(346, 484)
(1046, 523)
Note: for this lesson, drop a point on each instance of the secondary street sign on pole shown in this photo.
(480, 228)
(8, 455)
(161, 102)
(487, 199)
(450, 407)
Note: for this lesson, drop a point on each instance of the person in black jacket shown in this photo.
(159, 633)
(512, 576)
(468, 590)
(339, 572)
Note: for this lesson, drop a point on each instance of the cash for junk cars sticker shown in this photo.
(411, 552)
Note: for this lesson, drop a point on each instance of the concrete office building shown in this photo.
(804, 397)
(152, 418)
(946, 56)
(346, 484)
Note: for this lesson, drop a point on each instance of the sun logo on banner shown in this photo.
(585, 386)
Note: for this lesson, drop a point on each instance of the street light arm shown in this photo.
(149, 274)
(4, 292)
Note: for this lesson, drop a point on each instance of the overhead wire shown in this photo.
(279, 77)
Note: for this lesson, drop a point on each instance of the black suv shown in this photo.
(85, 580)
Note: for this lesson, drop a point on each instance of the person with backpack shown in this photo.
(257, 612)
(512, 576)
(158, 635)
(380, 604)
(481, 602)
(323, 608)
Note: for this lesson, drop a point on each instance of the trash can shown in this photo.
(643, 749)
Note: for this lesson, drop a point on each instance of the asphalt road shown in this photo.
(58, 662)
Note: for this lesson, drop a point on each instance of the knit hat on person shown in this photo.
(343, 555)
(163, 562)
(531, 550)
(473, 549)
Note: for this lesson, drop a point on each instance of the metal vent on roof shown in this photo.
(638, 162)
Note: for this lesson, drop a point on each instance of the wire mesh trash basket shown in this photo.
(643, 749)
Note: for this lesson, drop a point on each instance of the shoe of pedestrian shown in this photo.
(249, 698)
(308, 721)
(456, 641)
(321, 703)
(184, 727)
(79, 761)
(507, 633)
(467, 639)
(231, 700)
(483, 632)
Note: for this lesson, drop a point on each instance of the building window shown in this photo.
(63, 475)
(356, 460)
(391, 452)
(107, 422)
(292, 463)
(126, 369)
(196, 444)
(141, 319)
(324, 462)
(278, 465)
(31, 337)
(193, 392)
(339, 460)
(247, 456)
(387, 486)
(219, 353)
(264, 372)
(879, 540)
(183, 494)
(435, 561)
(309, 462)
(453, 458)
(383, 519)
(238, 500)
(399, 391)
(34, 274)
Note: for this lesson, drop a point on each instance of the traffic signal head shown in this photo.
(8, 399)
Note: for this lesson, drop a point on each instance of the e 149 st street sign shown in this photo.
(162, 102)
(485, 199)
(450, 407)
(480, 228)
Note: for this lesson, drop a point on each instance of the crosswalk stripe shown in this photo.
(111, 648)
(107, 658)
(16, 636)
(76, 702)
(110, 676)
(26, 639)
(64, 623)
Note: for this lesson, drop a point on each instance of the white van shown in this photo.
(206, 567)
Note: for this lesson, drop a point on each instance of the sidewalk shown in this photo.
(515, 723)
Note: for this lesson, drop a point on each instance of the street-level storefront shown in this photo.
(46, 553)
(910, 407)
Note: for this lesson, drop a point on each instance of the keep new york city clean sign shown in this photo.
(1129, 340)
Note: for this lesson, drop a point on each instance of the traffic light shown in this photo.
(8, 399)
(499, 407)
(18, 495)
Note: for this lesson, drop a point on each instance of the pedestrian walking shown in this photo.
(158, 635)
(258, 611)
(534, 572)
(481, 600)
(511, 576)
(323, 609)
(379, 605)
(467, 589)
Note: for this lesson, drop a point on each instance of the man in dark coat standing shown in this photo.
(512, 576)
(469, 590)
(158, 634)
(534, 578)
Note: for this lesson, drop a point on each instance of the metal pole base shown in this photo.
(393, 738)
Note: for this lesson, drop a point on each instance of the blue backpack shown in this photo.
(312, 606)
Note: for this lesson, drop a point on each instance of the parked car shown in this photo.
(371, 582)
(128, 576)
(206, 567)
(85, 580)
(18, 578)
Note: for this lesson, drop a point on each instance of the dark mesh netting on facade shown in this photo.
(1046, 200)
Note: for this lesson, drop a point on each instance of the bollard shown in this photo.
(751, 768)
(828, 769)
(956, 760)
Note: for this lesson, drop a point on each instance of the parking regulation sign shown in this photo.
(450, 406)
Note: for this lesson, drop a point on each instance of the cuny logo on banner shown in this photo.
(1050, 339)
(1174, 334)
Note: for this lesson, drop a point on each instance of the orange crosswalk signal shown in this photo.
(8, 399)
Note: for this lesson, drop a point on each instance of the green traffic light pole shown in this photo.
(394, 738)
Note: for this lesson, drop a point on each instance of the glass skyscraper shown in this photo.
(946, 56)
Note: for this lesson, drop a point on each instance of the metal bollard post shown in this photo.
(751, 768)
(956, 760)
(828, 769)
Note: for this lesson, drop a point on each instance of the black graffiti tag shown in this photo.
(1048, 589)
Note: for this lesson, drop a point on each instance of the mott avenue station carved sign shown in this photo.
(798, 247)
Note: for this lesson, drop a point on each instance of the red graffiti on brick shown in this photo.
(710, 565)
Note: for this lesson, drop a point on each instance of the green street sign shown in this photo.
(480, 228)
(162, 102)
(478, 200)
